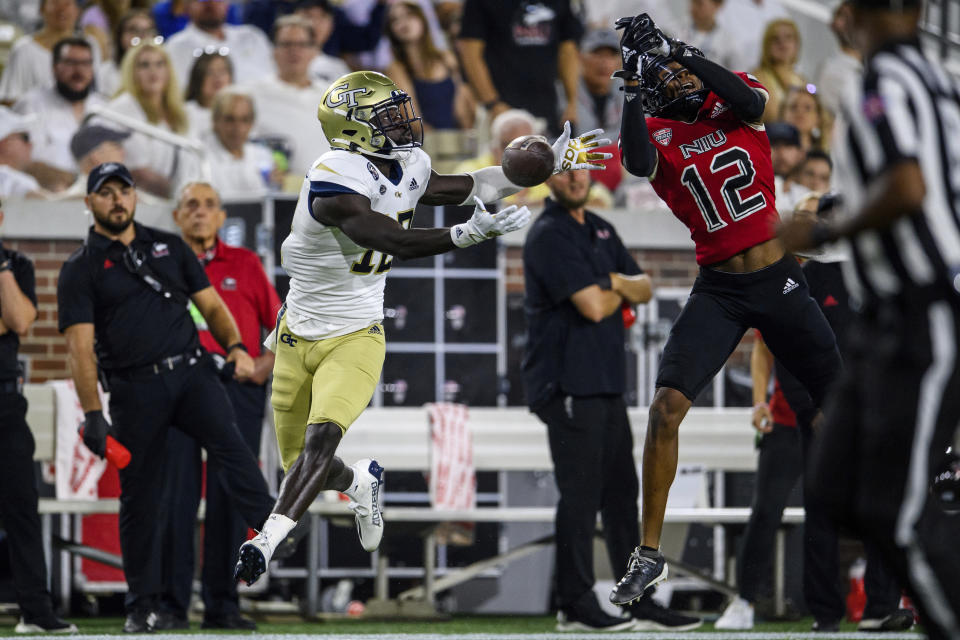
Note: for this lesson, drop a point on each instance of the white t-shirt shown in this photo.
(54, 125)
(747, 20)
(238, 177)
(837, 72)
(336, 286)
(325, 69)
(249, 50)
(16, 184)
(108, 78)
(290, 113)
(30, 65)
(142, 151)
(199, 119)
(717, 45)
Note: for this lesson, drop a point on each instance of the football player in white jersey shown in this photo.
(353, 217)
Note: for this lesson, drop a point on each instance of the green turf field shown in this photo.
(466, 628)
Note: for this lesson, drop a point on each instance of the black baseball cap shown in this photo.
(783, 133)
(103, 172)
(91, 136)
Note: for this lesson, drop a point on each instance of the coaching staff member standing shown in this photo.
(239, 279)
(897, 406)
(18, 482)
(578, 274)
(122, 301)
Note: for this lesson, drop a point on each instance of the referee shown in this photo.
(897, 407)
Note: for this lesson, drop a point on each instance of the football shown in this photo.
(528, 161)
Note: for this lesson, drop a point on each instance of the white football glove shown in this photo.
(568, 151)
(483, 225)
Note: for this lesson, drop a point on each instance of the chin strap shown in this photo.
(490, 185)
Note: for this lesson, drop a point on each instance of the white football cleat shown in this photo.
(738, 616)
(365, 503)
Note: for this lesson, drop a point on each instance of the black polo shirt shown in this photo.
(133, 324)
(565, 352)
(22, 269)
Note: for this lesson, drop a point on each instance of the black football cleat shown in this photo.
(252, 562)
(645, 569)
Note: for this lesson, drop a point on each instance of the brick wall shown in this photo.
(44, 345)
(46, 348)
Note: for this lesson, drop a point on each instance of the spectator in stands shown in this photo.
(286, 103)
(18, 480)
(239, 278)
(91, 146)
(430, 76)
(349, 35)
(150, 94)
(513, 58)
(505, 128)
(100, 19)
(815, 171)
(30, 63)
(241, 169)
(172, 16)
(211, 72)
(600, 104)
(601, 14)
(786, 154)
(802, 109)
(324, 68)
(134, 27)
(58, 111)
(839, 71)
(15, 151)
(578, 276)
(778, 64)
(746, 21)
(703, 31)
(248, 48)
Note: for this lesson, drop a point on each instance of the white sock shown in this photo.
(275, 530)
(351, 491)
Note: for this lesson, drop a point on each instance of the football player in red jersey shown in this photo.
(704, 148)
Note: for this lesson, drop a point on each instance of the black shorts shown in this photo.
(720, 309)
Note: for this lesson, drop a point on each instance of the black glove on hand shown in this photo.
(95, 428)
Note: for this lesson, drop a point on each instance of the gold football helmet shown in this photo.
(366, 112)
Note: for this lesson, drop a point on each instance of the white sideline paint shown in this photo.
(658, 635)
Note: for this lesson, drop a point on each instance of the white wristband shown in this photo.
(461, 236)
(490, 184)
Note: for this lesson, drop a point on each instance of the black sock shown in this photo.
(646, 548)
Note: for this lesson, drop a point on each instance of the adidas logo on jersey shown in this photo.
(413, 184)
(790, 285)
(719, 108)
(375, 330)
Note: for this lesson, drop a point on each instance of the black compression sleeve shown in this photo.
(747, 103)
(637, 155)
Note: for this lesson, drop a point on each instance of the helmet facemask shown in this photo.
(394, 125)
(653, 91)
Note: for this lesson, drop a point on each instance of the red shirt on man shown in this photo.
(238, 276)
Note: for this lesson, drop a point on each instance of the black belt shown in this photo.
(11, 386)
(189, 358)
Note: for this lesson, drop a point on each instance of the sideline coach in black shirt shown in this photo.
(578, 274)
(123, 296)
(18, 482)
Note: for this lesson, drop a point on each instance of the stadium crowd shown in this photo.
(79, 72)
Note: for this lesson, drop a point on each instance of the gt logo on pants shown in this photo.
(288, 339)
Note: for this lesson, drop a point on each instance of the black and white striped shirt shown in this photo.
(908, 108)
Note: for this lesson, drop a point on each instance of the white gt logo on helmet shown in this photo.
(339, 95)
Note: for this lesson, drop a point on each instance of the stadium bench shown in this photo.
(504, 440)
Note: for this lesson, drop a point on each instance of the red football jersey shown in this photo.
(716, 176)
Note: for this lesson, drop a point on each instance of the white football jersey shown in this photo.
(336, 286)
